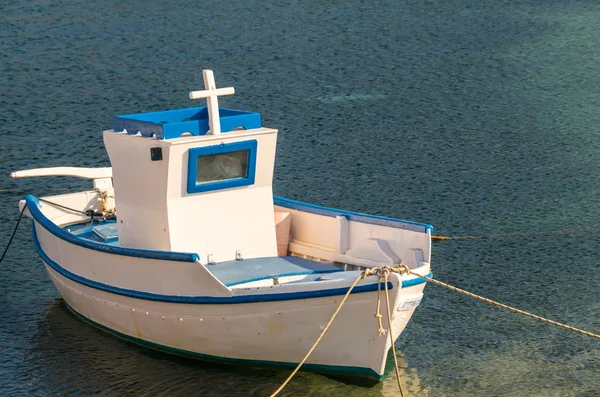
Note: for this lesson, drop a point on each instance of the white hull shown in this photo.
(181, 308)
(274, 333)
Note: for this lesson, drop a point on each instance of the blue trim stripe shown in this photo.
(194, 187)
(320, 368)
(411, 282)
(36, 213)
(352, 216)
(173, 123)
(405, 283)
(210, 299)
(291, 274)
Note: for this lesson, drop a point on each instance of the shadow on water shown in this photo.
(68, 357)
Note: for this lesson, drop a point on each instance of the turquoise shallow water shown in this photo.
(479, 117)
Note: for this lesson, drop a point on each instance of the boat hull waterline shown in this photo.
(254, 329)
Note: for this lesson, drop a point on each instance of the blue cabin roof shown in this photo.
(173, 123)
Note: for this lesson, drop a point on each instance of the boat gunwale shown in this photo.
(352, 216)
(235, 299)
(52, 228)
(43, 220)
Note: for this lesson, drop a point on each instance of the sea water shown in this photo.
(479, 117)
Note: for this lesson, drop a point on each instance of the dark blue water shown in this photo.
(479, 117)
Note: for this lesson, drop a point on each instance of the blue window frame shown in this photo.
(221, 166)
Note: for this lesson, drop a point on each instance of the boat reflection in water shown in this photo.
(409, 378)
(95, 363)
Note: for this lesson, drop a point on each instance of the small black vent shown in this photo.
(155, 153)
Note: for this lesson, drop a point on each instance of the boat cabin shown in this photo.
(195, 180)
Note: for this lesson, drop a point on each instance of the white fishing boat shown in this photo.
(180, 246)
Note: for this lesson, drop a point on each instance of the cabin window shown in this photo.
(221, 167)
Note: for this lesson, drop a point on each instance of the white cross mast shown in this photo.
(212, 93)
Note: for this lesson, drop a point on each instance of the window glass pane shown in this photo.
(222, 166)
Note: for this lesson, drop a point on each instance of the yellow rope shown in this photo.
(361, 276)
(383, 273)
(386, 272)
(559, 231)
(378, 315)
(502, 305)
(103, 199)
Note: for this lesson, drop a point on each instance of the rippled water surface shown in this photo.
(479, 117)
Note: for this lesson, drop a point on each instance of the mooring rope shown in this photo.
(507, 307)
(386, 272)
(103, 214)
(361, 276)
(64, 207)
(103, 199)
(383, 273)
(513, 234)
(13, 233)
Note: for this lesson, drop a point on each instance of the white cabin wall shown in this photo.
(220, 222)
(155, 211)
(140, 190)
(178, 157)
(225, 222)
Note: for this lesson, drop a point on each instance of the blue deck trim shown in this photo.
(280, 275)
(36, 213)
(320, 368)
(352, 216)
(88, 232)
(255, 269)
(415, 281)
(171, 124)
(106, 232)
(208, 299)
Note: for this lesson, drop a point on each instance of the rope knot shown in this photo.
(103, 199)
(368, 272)
(381, 330)
(401, 269)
